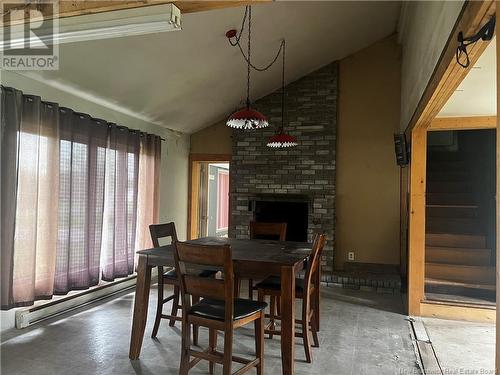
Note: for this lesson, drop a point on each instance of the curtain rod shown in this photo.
(121, 127)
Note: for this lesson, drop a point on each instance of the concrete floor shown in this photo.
(462, 347)
(361, 333)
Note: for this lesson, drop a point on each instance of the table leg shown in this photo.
(140, 306)
(287, 319)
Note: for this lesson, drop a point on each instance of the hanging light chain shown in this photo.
(249, 49)
(283, 44)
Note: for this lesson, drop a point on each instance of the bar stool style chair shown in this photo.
(159, 231)
(218, 310)
(306, 289)
(258, 230)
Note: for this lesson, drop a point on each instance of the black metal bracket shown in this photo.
(485, 33)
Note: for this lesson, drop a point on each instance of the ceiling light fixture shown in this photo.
(246, 118)
(105, 25)
(281, 139)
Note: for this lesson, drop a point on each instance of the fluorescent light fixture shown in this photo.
(105, 25)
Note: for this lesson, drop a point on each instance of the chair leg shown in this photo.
(196, 329)
(272, 310)
(278, 305)
(237, 287)
(159, 305)
(250, 289)
(175, 305)
(305, 335)
(212, 339)
(314, 331)
(186, 339)
(228, 351)
(259, 343)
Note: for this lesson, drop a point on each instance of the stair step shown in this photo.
(450, 198)
(483, 299)
(433, 287)
(446, 165)
(455, 240)
(450, 210)
(450, 186)
(477, 275)
(445, 175)
(453, 225)
(458, 255)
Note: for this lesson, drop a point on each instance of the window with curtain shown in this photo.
(78, 195)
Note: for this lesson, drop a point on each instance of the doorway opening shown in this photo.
(209, 200)
(460, 217)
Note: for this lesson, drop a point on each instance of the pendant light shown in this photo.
(247, 118)
(282, 139)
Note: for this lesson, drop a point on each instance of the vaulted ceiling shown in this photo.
(190, 79)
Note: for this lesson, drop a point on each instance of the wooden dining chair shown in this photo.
(218, 310)
(306, 289)
(263, 231)
(159, 231)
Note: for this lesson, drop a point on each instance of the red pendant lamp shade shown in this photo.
(247, 119)
(282, 140)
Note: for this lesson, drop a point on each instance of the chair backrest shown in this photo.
(260, 230)
(314, 263)
(159, 231)
(190, 259)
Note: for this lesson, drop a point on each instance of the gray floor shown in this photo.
(462, 347)
(361, 333)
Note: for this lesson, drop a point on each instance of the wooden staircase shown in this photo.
(458, 266)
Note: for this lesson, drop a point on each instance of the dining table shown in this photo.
(256, 258)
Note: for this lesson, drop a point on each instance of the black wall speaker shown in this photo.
(401, 148)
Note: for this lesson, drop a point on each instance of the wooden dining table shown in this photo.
(257, 258)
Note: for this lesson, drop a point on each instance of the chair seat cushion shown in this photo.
(172, 274)
(215, 309)
(274, 282)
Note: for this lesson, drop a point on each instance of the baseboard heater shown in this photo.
(32, 315)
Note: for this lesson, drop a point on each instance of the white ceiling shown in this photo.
(191, 79)
(477, 94)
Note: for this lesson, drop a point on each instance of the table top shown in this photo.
(268, 252)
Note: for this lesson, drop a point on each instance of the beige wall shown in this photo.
(215, 139)
(424, 29)
(367, 175)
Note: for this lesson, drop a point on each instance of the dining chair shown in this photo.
(306, 289)
(218, 310)
(159, 231)
(266, 231)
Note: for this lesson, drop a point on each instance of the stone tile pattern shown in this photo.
(308, 169)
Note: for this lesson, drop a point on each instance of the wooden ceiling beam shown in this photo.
(463, 123)
(78, 8)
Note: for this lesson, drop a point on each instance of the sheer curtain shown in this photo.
(28, 261)
(149, 182)
(77, 194)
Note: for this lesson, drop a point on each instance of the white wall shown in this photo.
(174, 161)
(424, 29)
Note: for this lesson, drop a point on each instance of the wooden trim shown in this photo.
(497, 356)
(416, 238)
(448, 74)
(463, 123)
(470, 314)
(80, 8)
(446, 77)
(193, 188)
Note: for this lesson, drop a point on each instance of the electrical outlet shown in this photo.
(350, 255)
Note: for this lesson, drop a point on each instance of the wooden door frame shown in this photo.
(193, 184)
(446, 77)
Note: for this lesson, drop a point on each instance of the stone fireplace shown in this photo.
(300, 181)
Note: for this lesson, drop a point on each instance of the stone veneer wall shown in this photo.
(308, 169)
